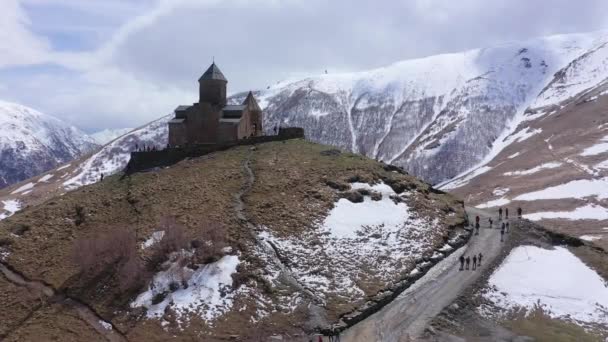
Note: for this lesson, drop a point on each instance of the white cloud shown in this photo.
(151, 62)
(19, 46)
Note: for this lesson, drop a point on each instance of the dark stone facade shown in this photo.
(211, 120)
(146, 160)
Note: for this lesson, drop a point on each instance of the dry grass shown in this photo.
(540, 326)
(290, 195)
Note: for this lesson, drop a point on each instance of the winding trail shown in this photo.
(85, 313)
(409, 314)
(268, 248)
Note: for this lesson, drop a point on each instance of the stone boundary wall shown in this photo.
(145, 160)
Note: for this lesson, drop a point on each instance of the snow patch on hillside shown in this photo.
(155, 238)
(588, 212)
(495, 203)
(10, 207)
(590, 237)
(379, 235)
(347, 218)
(551, 165)
(575, 189)
(594, 150)
(45, 178)
(207, 294)
(23, 188)
(554, 279)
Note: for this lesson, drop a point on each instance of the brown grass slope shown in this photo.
(290, 196)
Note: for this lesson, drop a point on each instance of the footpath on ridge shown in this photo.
(407, 317)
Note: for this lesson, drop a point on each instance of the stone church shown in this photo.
(212, 120)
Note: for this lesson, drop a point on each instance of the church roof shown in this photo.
(233, 111)
(251, 102)
(213, 73)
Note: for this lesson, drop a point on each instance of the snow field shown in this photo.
(588, 212)
(555, 279)
(575, 189)
(347, 218)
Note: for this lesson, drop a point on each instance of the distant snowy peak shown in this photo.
(32, 142)
(443, 115)
(107, 135)
(582, 74)
(26, 128)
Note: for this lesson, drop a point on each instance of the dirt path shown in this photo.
(268, 248)
(409, 314)
(85, 313)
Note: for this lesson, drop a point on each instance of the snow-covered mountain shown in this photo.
(107, 135)
(32, 142)
(440, 117)
(436, 116)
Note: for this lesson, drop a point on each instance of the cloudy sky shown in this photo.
(120, 63)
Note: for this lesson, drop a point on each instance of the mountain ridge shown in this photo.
(32, 142)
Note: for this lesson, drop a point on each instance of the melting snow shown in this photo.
(500, 191)
(155, 238)
(346, 218)
(536, 169)
(513, 155)
(597, 148)
(380, 235)
(590, 237)
(45, 178)
(23, 188)
(105, 325)
(63, 167)
(575, 189)
(562, 284)
(205, 295)
(588, 212)
(495, 203)
(10, 207)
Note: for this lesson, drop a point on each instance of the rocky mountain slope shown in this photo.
(554, 165)
(281, 238)
(32, 143)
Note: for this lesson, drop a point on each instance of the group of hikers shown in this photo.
(467, 261)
